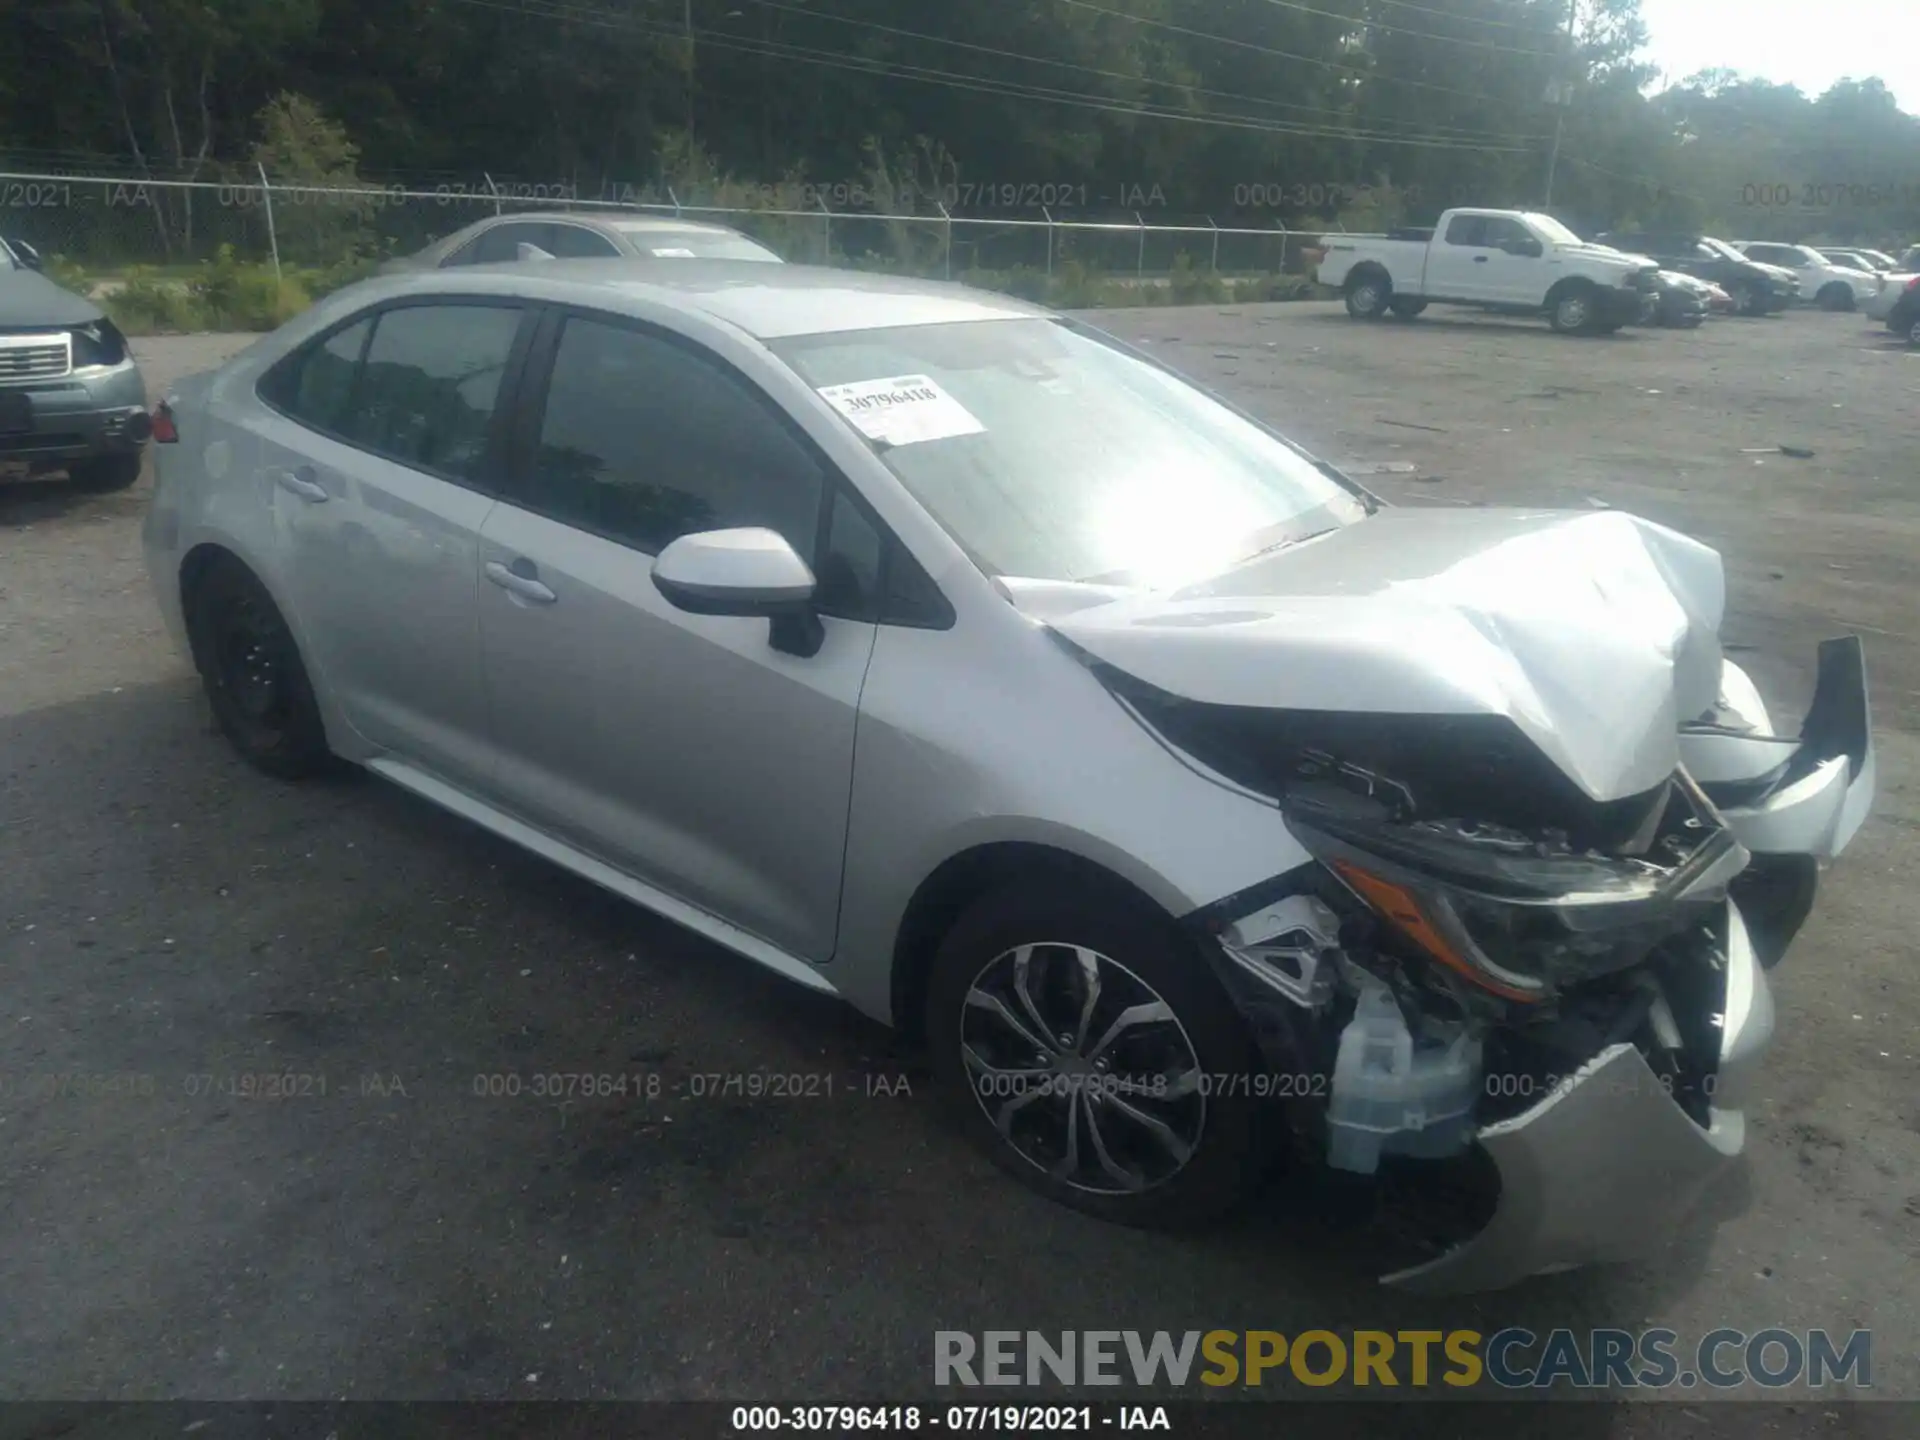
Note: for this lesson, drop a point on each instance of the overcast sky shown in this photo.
(1809, 43)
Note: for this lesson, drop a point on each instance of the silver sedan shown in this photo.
(951, 657)
(582, 235)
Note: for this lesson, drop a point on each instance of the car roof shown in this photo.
(623, 219)
(769, 302)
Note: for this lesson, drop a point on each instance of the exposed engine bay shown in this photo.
(1456, 966)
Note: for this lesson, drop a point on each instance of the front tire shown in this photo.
(104, 473)
(1836, 298)
(253, 675)
(1082, 1043)
(1747, 299)
(1408, 309)
(1574, 311)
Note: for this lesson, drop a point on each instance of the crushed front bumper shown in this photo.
(92, 411)
(1608, 1167)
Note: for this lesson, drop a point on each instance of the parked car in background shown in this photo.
(1826, 284)
(1898, 305)
(71, 396)
(1514, 261)
(1872, 261)
(1678, 302)
(1909, 262)
(1186, 769)
(1756, 289)
(582, 236)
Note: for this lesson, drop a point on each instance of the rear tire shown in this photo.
(1368, 296)
(253, 674)
(104, 473)
(1139, 1132)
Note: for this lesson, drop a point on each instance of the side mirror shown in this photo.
(747, 572)
(1529, 249)
(26, 254)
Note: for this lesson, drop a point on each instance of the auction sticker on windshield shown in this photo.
(902, 410)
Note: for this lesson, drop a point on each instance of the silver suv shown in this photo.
(949, 656)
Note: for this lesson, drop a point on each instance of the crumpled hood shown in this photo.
(1596, 634)
(28, 298)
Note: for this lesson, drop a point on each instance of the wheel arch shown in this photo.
(199, 560)
(964, 878)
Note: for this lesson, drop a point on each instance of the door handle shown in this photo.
(1480, 259)
(527, 587)
(301, 482)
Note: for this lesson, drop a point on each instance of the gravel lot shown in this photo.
(166, 913)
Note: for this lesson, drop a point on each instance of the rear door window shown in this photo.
(429, 383)
(314, 385)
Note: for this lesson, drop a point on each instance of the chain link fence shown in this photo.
(108, 224)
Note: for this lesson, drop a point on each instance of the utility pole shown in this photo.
(1560, 96)
(689, 28)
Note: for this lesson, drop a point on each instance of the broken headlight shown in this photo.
(1521, 915)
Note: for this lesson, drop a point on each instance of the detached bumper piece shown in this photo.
(1608, 1167)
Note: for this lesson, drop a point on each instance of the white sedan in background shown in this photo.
(1832, 286)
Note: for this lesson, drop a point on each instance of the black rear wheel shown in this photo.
(1080, 1042)
(253, 674)
(1368, 296)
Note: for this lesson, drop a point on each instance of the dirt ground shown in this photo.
(167, 915)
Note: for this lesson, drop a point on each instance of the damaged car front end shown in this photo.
(1551, 859)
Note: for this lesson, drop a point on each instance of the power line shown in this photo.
(1462, 40)
(1325, 64)
(1507, 24)
(555, 10)
(1463, 132)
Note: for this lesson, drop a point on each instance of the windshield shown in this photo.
(1051, 455)
(692, 244)
(1548, 228)
(1724, 250)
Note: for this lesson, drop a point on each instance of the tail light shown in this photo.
(165, 432)
(1913, 285)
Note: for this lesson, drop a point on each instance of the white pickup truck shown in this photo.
(1509, 260)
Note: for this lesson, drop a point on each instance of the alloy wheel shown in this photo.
(1083, 1068)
